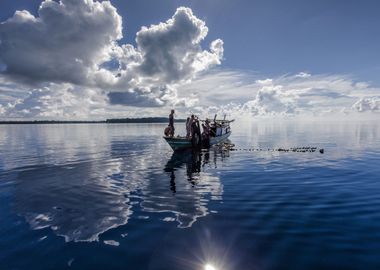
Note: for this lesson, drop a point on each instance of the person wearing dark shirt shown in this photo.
(171, 123)
(188, 127)
(195, 132)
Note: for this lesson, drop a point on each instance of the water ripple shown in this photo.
(122, 186)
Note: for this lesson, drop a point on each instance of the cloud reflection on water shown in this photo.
(81, 199)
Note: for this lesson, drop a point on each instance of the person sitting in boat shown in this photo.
(171, 123)
(206, 128)
(219, 130)
(207, 122)
(212, 129)
(167, 131)
(188, 127)
(205, 133)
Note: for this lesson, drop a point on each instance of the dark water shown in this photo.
(116, 197)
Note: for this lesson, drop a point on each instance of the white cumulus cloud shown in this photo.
(171, 51)
(271, 99)
(167, 55)
(78, 43)
(371, 104)
(66, 42)
(238, 94)
(63, 101)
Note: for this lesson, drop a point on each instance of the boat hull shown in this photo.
(179, 143)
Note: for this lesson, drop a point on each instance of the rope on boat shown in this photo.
(303, 149)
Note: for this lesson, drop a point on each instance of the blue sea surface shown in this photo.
(115, 196)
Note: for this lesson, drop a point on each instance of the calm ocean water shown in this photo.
(116, 197)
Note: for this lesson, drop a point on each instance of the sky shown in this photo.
(87, 59)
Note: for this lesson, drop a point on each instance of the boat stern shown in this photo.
(178, 143)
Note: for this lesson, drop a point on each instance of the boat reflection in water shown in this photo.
(191, 186)
(193, 160)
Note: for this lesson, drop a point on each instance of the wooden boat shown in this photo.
(220, 131)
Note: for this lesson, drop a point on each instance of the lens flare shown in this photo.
(209, 267)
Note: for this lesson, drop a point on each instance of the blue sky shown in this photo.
(277, 37)
(270, 37)
(267, 40)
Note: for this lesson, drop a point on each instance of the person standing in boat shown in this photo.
(188, 127)
(207, 128)
(192, 119)
(195, 132)
(171, 123)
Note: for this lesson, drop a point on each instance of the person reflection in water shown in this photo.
(191, 187)
(193, 166)
(190, 160)
(172, 182)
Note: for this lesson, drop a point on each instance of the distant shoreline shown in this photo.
(147, 120)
